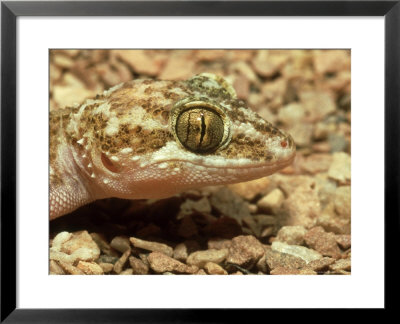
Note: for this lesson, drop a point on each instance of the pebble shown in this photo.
(331, 61)
(291, 271)
(343, 202)
(344, 241)
(272, 201)
(90, 268)
(317, 104)
(301, 252)
(187, 228)
(245, 251)
(229, 204)
(276, 259)
(218, 243)
(323, 242)
(267, 62)
(103, 244)
(200, 258)
(140, 61)
(202, 206)
(180, 252)
(77, 246)
(340, 169)
(107, 267)
(249, 190)
(293, 235)
(316, 163)
(126, 272)
(152, 246)
(70, 269)
(223, 227)
(214, 269)
(120, 243)
(302, 134)
(55, 268)
(303, 205)
(291, 114)
(177, 67)
(320, 264)
(160, 263)
(138, 266)
(118, 266)
(342, 264)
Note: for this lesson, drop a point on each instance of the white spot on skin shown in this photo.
(135, 158)
(80, 142)
(114, 158)
(111, 90)
(106, 181)
(90, 165)
(93, 175)
(112, 127)
(126, 150)
(163, 165)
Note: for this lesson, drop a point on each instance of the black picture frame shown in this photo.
(11, 10)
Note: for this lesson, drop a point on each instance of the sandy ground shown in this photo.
(296, 221)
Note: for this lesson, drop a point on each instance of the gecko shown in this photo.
(149, 138)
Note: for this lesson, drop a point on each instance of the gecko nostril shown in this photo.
(283, 143)
(108, 164)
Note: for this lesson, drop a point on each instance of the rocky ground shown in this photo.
(296, 221)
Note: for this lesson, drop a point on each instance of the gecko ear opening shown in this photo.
(224, 83)
(108, 164)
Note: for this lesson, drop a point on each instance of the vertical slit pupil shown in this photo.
(203, 129)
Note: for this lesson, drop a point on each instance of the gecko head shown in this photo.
(162, 137)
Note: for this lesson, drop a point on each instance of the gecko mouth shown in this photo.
(249, 166)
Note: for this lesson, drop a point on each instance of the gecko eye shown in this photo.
(200, 126)
(200, 130)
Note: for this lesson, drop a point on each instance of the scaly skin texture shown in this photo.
(153, 139)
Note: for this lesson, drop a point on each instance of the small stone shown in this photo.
(152, 246)
(301, 252)
(286, 271)
(120, 243)
(138, 266)
(140, 61)
(70, 248)
(245, 251)
(218, 244)
(262, 264)
(118, 266)
(107, 259)
(340, 169)
(302, 134)
(320, 264)
(276, 259)
(291, 114)
(160, 263)
(268, 62)
(107, 267)
(250, 222)
(62, 61)
(103, 244)
(323, 242)
(316, 163)
(126, 272)
(343, 202)
(303, 205)
(249, 190)
(242, 87)
(342, 264)
(331, 61)
(210, 55)
(223, 227)
(90, 268)
(200, 258)
(344, 241)
(70, 269)
(265, 220)
(293, 235)
(180, 252)
(187, 228)
(317, 104)
(272, 201)
(55, 268)
(229, 204)
(214, 269)
(70, 95)
(178, 67)
(201, 272)
(202, 206)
